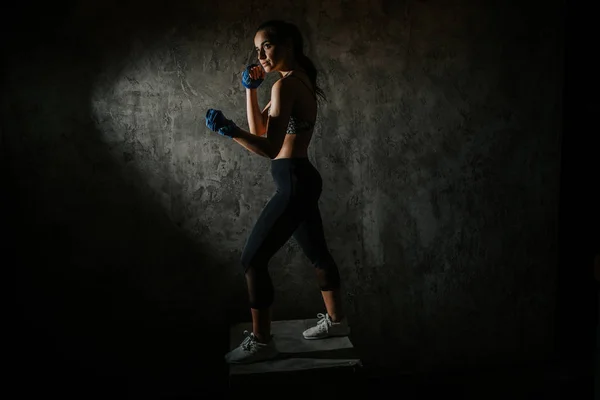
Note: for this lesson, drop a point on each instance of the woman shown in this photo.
(282, 132)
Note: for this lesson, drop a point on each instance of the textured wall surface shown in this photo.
(438, 147)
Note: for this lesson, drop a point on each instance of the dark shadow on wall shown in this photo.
(578, 305)
(110, 295)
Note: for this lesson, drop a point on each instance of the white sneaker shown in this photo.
(327, 328)
(250, 350)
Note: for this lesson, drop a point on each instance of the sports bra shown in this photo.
(298, 124)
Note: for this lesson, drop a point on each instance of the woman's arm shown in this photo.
(282, 99)
(254, 143)
(257, 120)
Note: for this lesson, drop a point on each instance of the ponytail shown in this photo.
(311, 71)
(285, 30)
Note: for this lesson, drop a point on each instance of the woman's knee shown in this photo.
(253, 259)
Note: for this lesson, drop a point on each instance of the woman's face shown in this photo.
(270, 55)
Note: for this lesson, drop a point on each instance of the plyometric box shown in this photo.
(301, 362)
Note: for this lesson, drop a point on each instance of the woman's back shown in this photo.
(302, 119)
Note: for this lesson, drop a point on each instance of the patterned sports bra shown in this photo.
(298, 124)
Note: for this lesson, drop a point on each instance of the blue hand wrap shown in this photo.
(216, 122)
(247, 81)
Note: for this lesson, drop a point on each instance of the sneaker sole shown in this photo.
(325, 337)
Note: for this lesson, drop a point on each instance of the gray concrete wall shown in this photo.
(438, 147)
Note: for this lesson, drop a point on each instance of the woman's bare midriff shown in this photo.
(295, 145)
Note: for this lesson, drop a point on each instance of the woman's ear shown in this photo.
(289, 45)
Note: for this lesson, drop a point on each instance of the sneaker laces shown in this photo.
(249, 341)
(324, 322)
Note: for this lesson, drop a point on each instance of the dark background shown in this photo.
(458, 158)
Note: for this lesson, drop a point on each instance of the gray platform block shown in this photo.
(296, 353)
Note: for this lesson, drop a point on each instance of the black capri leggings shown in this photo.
(293, 210)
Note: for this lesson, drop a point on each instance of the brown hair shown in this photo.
(281, 31)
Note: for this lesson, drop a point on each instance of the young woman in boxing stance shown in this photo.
(282, 132)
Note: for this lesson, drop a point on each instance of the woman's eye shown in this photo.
(267, 46)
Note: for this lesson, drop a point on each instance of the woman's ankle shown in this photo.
(337, 318)
(264, 339)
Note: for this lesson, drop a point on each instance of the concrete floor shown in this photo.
(296, 353)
